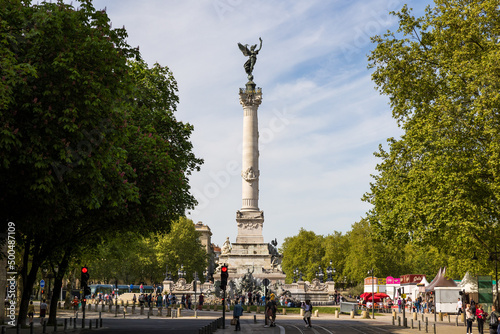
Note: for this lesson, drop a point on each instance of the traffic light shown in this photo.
(223, 277)
(84, 278)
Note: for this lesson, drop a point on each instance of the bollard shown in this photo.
(195, 314)
(393, 314)
(160, 309)
(352, 314)
(411, 323)
(254, 319)
(96, 323)
(124, 314)
(179, 315)
(31, 328)
(90, 324)
(100, 322)
(449, 320)
(419, 325)
(149, 313)
(142, 310)
(284, 311)
(83, 323)
(457, 320)
(133, 309)
(336, 313)
(399, 321)
(434, 326)
(258, 309)
(44, 329)
(427, 327)
(414, 316)
(393, 321)
(440, 316)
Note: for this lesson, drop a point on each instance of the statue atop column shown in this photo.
(252, 57)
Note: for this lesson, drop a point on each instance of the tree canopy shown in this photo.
(89, 142)
(438, 185)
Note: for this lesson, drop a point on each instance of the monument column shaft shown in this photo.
(250, 158)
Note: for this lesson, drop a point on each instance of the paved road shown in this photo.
(129, 326)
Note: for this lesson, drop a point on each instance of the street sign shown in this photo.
(42, 284)
(403, 295)
(265, 281)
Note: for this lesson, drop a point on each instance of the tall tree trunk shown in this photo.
(63, 267)
(28, 278)
(3, 277)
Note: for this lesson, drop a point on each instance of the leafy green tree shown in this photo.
(438, 185)
(182, 246)
(336, 248)
(304, 251)
(127, 257)
(75, 162)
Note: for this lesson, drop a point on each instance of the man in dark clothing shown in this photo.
(492, 320)
(237, 313)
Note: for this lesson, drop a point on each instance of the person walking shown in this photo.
(492, 320)
(480, 315)
(307, 307)
(237, 313)
(31, 311)
(469, 316)
(459, 306)
(43, 311)
(274, 308)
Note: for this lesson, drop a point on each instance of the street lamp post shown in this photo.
(496, 275)
(320, 274)
(329, 272)
(194, 286)
(373, 294)
(181, 272)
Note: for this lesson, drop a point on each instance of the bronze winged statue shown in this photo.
(252, 57)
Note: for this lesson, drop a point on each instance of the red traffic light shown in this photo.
(224, 269)
(84, 270)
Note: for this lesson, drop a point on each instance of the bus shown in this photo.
(109, 288)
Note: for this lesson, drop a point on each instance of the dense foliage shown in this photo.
(438, 185)
(89, 144)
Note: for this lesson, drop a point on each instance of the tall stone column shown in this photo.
(250, 218)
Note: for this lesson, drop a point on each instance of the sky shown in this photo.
(321, 118)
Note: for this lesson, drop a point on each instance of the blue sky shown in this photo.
(320, 120)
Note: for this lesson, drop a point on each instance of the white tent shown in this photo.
(468, 283)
